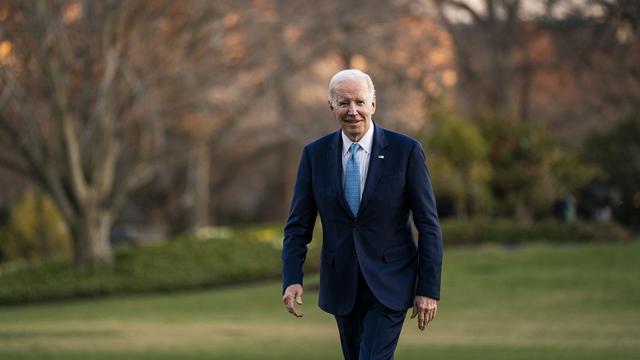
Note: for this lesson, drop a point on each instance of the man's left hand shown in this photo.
(425, 308)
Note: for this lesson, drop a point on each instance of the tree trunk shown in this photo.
(526, 85)
(91, 239)
(201, 192)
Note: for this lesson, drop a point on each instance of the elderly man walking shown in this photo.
(365, 181)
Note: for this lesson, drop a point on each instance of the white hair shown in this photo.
(349, 74)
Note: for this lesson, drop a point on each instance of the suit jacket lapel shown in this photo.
(376, 166)
(334, 158)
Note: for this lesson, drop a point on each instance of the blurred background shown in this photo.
(148, 152)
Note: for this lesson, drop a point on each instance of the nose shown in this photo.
(352, 109)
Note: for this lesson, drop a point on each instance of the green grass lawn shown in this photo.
(536, 302)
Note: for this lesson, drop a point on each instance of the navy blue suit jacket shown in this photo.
(379, 238)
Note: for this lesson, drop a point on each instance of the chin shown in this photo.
(352, 131)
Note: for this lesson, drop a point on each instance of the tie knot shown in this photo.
(354, 147)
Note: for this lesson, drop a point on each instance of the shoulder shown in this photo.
(323, 143)
(398, 139)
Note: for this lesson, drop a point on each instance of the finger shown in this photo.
(414, 312)
(296, 313)
(299, 298)
(421, 320)
(434, 312)
(288, 300)
(293, 311)
(429, 317)
(292, 308)
(289, 303)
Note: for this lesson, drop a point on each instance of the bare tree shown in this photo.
(497, 23)
(95, 96)
(507, 49)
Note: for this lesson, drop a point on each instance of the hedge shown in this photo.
(217, 257)
(508, 232)
(186, 262)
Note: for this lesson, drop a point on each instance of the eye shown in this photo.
(360, 102)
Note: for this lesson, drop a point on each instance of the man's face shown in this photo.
(353, 107)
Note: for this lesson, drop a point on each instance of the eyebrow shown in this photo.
(340, 99)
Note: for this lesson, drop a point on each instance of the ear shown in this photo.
(330, 105)
(373, 105)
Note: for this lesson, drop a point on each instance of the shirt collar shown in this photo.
(365, 143)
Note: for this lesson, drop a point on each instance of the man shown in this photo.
(364, 181)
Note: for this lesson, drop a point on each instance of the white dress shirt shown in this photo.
(363, 155)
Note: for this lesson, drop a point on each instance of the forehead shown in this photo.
(351, 88)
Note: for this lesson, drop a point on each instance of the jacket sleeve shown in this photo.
(425, 216)
(299, 228)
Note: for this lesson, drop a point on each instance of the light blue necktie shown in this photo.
(352, 180)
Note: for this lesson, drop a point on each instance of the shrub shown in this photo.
(617, 152)
(530, 171)
(479, 231)
(243, 254)
(35, 229)
(460, 171)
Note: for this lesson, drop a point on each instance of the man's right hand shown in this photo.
(293, 293)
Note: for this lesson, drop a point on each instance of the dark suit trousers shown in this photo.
(371, 330)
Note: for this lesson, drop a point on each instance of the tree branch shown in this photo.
(16, 166)
(461, 5)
